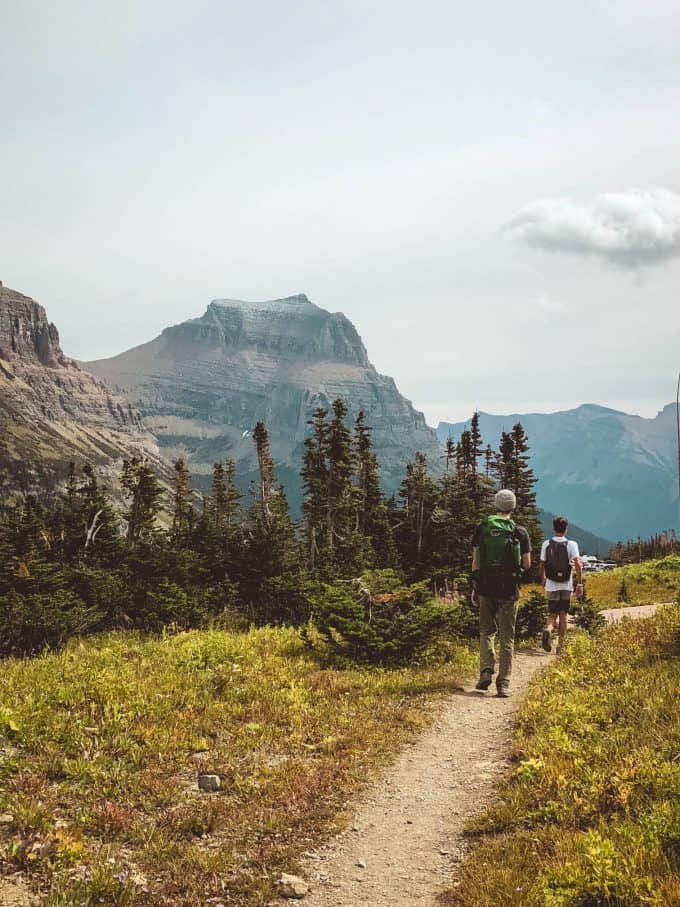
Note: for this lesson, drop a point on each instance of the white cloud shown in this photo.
(549, 305)
(630, 229)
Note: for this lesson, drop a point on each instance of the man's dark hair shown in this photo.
(560, 524)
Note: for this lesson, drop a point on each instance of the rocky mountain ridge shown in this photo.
(51, 410)
(202, 385)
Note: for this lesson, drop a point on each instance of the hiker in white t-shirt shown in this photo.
(560, 560)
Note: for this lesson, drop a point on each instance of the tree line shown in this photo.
(74, 563)
(634, 550)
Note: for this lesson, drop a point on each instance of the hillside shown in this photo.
(587, 542)
(202, 385)
(52, 410)
(607, 470)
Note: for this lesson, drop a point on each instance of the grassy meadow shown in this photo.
(645, 583)
(590, 816)
(101, 745)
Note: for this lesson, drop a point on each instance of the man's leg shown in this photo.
(546, 641)
(563, 628)
(487, 633)
(506, 617)
(553, 607)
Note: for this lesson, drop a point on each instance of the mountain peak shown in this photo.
(25, 332)
(287, 304)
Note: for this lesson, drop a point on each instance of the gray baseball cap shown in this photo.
(505, 501)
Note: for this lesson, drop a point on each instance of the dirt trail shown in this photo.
(407, 836)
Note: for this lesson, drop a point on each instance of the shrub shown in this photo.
(531, 617)
(588, 616)
(283, 601)
(31, 622)
(623, 595)
(382, 628)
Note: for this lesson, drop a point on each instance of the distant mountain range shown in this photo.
(199, 388)
(587, 542)
(607, 470)
(51, 410)
(202, 385)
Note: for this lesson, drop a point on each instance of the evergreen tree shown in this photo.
(182, 508)
(504, 462)
(475, 443)
(315, 481)
(489, 461)
(523, 482)
(141, 487)
(101, 542)
(270, 546)
(372, 518)
(225, 498)
(340, 500)
(218, 534)
(414, 534)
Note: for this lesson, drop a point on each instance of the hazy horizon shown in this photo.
(489, 193)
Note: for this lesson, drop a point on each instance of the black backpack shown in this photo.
(557, 566)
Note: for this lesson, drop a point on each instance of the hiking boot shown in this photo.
(560, 648)
(546, 642)
(484, 681)
(502, 692)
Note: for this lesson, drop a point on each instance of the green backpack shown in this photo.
(499, 551)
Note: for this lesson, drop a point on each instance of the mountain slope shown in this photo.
(587, 542)
(51, 410)
(607, 470)
(202, 385)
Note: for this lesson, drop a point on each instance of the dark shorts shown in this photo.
(559, 601)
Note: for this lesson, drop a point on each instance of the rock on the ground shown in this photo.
(290, 886)
(209, 783)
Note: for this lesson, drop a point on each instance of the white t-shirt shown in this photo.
(552, 585)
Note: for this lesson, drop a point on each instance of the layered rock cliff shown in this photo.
(202, 385)
(51, 410)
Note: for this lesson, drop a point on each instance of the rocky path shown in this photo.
(634, 611)
(407, 836)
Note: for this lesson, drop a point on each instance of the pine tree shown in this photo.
(475, 442)
(415, 531)
(466, 459)
(340, 505)
(101, 541)
(219, 536)
(315, 481)
(523, 482)
(504, 462)
(372, 519)
(270, 546)
(141, 487)
(449, 455)
(8, 563)
(182, 509)
(489, 461)
(224, 506)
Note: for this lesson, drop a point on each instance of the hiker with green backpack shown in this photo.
(501, 550)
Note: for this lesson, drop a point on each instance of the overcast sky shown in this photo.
(490, 191)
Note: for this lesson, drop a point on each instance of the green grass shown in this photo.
(590, 816)
(647, 582)
(100, 746)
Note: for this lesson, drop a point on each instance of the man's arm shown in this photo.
(578, 574)
(475, 568)
(541, 572)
